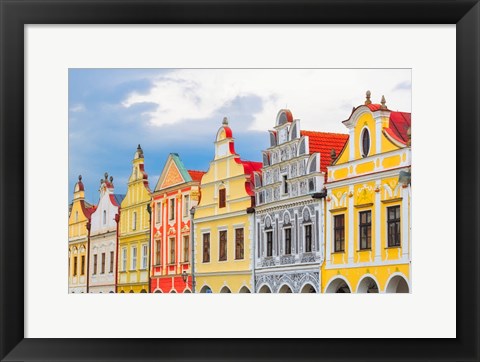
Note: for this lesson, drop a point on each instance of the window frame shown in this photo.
(222, 197)
(206, 247)
(82, 265)
(75, 266)
(171, 209)
(133, 263)
(336, 228)
(104, 257)
(310, 240)
(242, 248)
(186, 205)
(158, 252)
(158, 212)
(397, 243)
(95, 264)
(225, 245)
(365, 131)
(269, 243)
(368, 226)
(112, 258)
(134, 221)
(186, 248)
(172, 250)
(144, 256)
(289, 230)
(124, 259)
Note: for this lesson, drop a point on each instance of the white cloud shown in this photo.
(77, 108)
(321, 98)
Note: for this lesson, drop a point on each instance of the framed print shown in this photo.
(340, 194)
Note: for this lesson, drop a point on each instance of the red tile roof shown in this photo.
(196, 175)
(324, 142)
(374, 107)
(399, 124)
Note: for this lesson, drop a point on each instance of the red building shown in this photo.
(177, 191)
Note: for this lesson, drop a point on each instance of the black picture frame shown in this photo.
(16, 14)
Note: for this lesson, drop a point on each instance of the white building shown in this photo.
(290, 207)
(103, 239)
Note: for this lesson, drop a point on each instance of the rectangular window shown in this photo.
(308, 238)
(104, 217)
(239, 244)
(223, 246)
(288, 241)
(269, 243)
(124, 259)
(95, 264)
(186, 248)
(339, 232)
(144, 256)
(206, 248)
(186, 205)
(222, 199)
(171, 216)
(112, 260)
(393, 225)
(158, 211)
(74, 266)
(285, 184)
(83, 265)
(158, 252)
(103, 263)
(134, 221)
(365, 230)
(134, 258)
(172, 250)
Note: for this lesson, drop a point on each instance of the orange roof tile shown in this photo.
(398, 126)
(324, 142)
(196, 175)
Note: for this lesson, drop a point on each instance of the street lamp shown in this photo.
(184, 276)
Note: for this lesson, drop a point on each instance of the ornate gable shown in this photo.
(174, 173)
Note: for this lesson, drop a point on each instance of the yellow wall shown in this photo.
(224, 171)
(138, 235)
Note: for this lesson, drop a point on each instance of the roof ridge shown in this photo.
(335, 133)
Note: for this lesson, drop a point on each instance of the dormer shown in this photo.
(224, 145)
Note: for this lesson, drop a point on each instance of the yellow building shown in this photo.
(134, 232)
(78, 220)
(224, 222)
(368, 236)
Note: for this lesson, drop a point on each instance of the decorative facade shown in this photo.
(176, 192)
(78, 221)
(104, 239)
(224, 221)
(134, 231)
(368, 232)
(290, 207)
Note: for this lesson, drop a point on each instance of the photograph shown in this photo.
(239, 180)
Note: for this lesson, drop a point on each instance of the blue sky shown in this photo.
(111, 111)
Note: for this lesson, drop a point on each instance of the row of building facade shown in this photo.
(321, 213)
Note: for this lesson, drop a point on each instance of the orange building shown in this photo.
(177, 191)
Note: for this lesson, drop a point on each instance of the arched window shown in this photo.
(365, 142)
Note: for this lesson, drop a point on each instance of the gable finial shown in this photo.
(111, 178)
(225, 121)
(106, 176)
(383, 101)
(368, 101)
(79, 177)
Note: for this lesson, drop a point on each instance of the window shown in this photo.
(239, 244)
(308, 238)
(171, 216)
(223, 246)
(365, 230)
(186, 248)
(134, 221)
(339, 232)
(288, 241)
(269, 243)
(365, 142)
(95, 264)
(393, 225)
(285, 184)
(74, 266)
(76, 216)
(206, 248)
(172, 250)
(144, 256)
(83, 265)
(124, 259)
(134, 258)
(103, 263)
(158, 250)
(186, 205)
(158, 212)
(104, 217)
(222, 198)
(112, 259)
